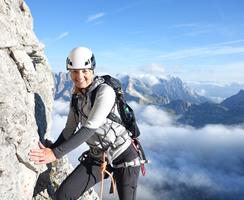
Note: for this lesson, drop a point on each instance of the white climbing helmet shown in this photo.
(80, 58)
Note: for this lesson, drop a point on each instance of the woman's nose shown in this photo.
(80, 74)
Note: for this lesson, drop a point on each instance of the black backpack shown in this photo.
(127, 115)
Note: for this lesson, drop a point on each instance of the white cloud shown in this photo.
(202, 51)
(149, 74)
(154, 68)
(216, 91)
(61, 36)
(230, 42)
(188, 161)
(199, 63)
(201, 92)
(148, 79)
(95, 16)
(223, 48)
(59, 116)
(202, 163)
(61, 107)
(223, 73)
(161, 116)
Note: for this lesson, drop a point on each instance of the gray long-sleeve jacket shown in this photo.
(99, 132)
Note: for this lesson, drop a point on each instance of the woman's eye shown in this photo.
(85, 71)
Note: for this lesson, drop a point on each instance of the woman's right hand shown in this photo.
(42, 155)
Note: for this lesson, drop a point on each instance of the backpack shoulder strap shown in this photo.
(74, 101)
(93, 95)
(111, 116)
(109, 80)
(94, 92)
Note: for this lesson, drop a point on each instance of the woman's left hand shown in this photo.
(43, 155)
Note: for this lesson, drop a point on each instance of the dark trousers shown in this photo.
(87, 174)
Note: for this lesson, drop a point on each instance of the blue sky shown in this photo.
(196, 40)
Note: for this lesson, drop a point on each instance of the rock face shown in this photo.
(49, 181)
(26, 98)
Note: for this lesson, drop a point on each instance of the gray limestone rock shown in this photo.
(26, 91)
(26, 98)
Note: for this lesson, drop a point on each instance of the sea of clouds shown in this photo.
(186, 163)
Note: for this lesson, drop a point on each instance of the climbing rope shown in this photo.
(103, 171)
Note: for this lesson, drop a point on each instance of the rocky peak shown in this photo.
(26, 98)
(143, 89)
(235, 102)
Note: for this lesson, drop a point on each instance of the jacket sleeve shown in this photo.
(59, 141)
(104, 102)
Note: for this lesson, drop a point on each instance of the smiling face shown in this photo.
(82, 78)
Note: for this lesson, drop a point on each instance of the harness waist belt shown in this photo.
(134, 163)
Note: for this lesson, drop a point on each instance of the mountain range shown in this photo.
(170, 94)
(142, 89)
(228, 112)
(214, 90)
